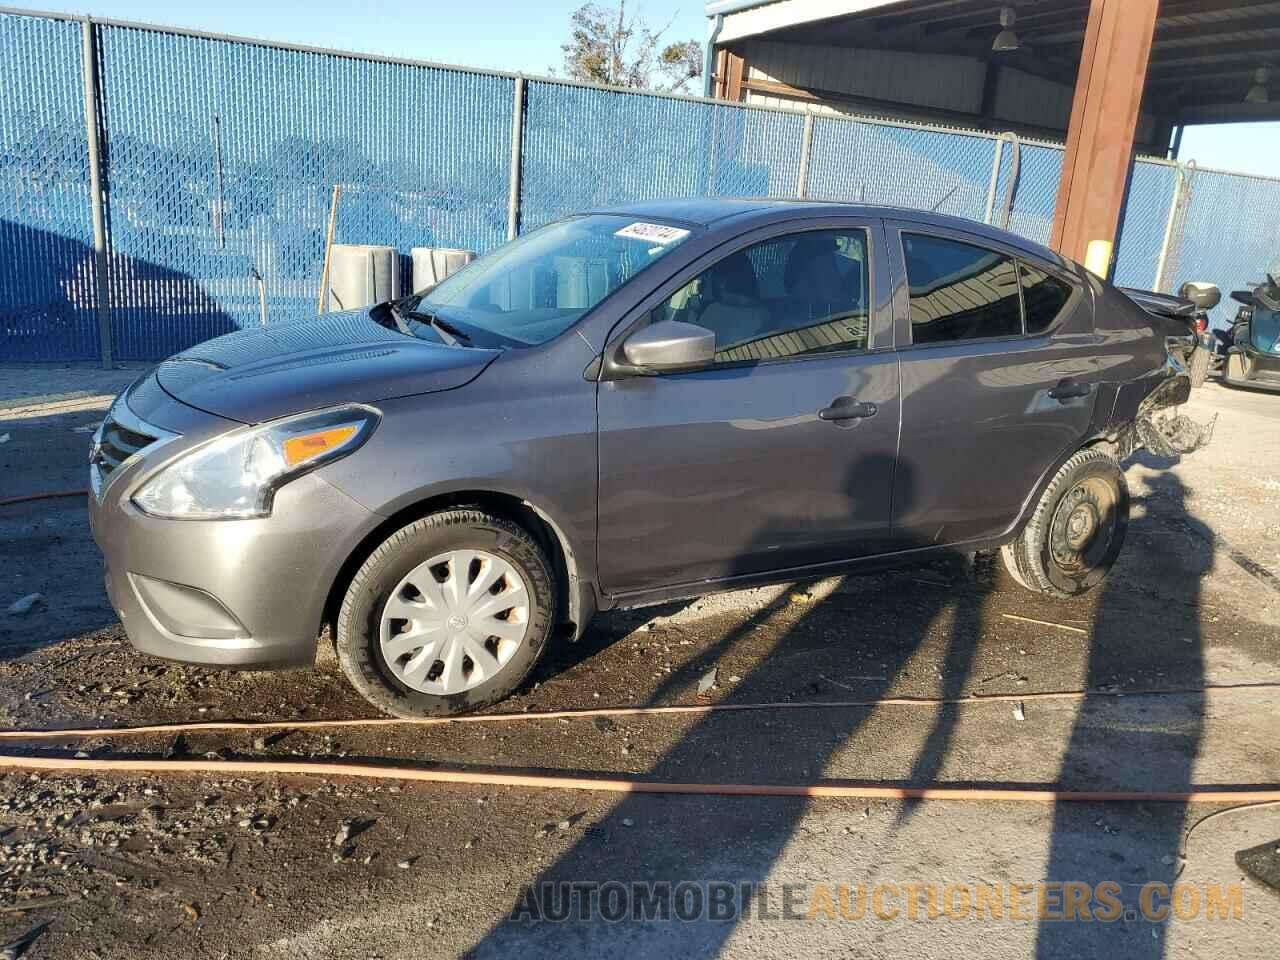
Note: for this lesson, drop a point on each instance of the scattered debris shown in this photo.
(707, 681)
(343, 836)
(25, 605)
(1045, 623)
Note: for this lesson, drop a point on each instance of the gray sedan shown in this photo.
(624, 407)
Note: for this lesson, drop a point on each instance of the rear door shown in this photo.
(999, 380)
(780, 452)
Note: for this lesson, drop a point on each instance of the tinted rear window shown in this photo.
(1044, 296)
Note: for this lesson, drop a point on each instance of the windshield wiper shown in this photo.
(398, 317)
(448, 332)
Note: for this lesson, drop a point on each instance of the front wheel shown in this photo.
(1077, 529)
(449, 614)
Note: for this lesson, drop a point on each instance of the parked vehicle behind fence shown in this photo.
(625, 407)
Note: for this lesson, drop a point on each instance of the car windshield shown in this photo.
(535, 288)
(1264, 330)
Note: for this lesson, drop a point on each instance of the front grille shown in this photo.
(118, 444)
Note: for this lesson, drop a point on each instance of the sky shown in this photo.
(1242, 147)
(525, 36)
(513, 35)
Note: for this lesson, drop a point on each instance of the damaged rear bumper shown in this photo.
(1163, 431)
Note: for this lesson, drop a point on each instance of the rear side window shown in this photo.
(960, 291)
(1043, 296)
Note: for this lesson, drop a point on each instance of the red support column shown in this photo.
(1104, 120)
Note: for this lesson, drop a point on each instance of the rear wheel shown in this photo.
(449, 614)
(1077, 530)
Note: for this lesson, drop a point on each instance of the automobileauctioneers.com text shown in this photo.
(692, 901)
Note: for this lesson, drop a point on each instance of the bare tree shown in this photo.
(608, 46)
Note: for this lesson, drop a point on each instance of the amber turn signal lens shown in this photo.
(308, 446)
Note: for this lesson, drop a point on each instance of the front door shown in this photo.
(780, 452)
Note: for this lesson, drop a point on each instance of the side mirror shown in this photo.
(1206, 296)
(669, 345)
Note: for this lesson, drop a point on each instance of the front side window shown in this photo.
(791, 296)
(960, 291)
(535, 288)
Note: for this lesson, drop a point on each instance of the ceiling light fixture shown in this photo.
(1007, 39)
(1259, 93)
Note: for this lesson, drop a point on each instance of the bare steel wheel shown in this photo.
(449, 614)
(1083, 525)
(455, 621)
(1076, 530)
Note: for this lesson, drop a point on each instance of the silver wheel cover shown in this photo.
(454, 622)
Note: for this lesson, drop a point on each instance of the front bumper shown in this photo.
(236, 593)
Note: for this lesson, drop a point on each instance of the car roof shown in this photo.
(746, 212)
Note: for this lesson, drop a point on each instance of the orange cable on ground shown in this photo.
(206, 726)
(43, 495)
(1197, 795)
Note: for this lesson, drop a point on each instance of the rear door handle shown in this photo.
(848, 408)
(1070, 389)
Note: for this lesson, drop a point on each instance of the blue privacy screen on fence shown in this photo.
(223, 158)
(1142, 229)
(900, 166)
(587, 148)
(47, 309)
(220, 159)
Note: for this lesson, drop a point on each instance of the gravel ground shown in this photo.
(178, 867)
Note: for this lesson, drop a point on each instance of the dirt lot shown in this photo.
(176, 867)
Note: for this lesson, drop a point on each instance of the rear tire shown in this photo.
(1199, 366)
(448, 615)
(1076, 531)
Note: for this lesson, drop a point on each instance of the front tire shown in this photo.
(448, 615)
(1077, 530)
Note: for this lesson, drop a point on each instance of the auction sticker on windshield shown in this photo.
(652, 233)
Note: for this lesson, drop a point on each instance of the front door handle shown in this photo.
(1070, 389)
(848, 408)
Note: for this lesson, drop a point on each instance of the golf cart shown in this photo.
(1253, 357)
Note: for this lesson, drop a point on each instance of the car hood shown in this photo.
(273, 371)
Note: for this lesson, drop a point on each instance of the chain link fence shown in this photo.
(47, 309)
(222, 161)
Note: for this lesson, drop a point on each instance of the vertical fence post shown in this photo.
(806, 149)
(517, 153)
(89, 59)
(995, 180)
(1173, 225)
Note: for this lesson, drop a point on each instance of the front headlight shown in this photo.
(236, 476)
